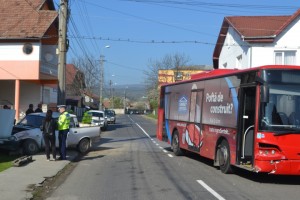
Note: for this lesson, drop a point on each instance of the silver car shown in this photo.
(99, 119)
(28, 133)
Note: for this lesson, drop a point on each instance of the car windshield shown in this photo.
(37, 120)
(97, 114)
(32, 120)
(110, 112)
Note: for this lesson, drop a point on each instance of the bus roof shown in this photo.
(227, 72)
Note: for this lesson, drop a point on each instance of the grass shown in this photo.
(152, 116)
(6, 161)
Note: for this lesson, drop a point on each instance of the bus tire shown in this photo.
(175, 144)
(224, 157)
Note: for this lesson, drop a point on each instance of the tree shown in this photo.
(90, 68)
(169, 61)
(117, 102)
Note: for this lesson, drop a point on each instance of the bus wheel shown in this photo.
(224, 157)
(175, 144)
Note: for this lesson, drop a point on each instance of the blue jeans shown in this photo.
(62, 138)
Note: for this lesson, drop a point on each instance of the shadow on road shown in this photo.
(256, 177)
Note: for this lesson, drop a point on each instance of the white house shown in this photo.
(251, 41)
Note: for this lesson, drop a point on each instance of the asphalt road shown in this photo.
(130, 163)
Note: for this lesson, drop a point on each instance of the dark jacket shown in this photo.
(48, 127)
(29, 110)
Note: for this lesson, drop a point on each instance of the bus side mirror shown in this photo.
(264, 94)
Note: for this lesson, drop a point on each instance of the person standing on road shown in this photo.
(30, 109)
(63, 129)
(48, 128)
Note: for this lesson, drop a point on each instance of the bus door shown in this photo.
(245, 141)
(194, 129)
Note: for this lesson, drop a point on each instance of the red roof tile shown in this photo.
(21, 19)
(257, 26)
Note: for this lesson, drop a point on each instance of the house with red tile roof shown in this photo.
(77, 94)
(28, 60)
(251, 41)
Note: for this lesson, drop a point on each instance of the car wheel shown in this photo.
(84, 145)
(224, 157)
(104, 127)
(175, 144)
(30, 147)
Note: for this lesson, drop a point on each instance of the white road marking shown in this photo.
(170, 155)
(219, 197)
(143, 130)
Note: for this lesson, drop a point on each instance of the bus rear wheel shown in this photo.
(175, 144)
(224, 157)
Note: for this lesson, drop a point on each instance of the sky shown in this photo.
(138, 31)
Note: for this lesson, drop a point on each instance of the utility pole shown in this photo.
(101, 77)
(111, 93)
(125, 101)
(62, 48)
(101, 80)
(113, 104)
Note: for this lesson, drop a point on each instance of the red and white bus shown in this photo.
(244, 118)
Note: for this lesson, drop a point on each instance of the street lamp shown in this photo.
(125, 99)
(111, 93)
(101, 76)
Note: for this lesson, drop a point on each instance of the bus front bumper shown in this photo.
(283, 167)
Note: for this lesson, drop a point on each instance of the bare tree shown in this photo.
(175, 61)
(90, 68)
(170, 61)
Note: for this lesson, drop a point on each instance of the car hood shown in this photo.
(18, 128)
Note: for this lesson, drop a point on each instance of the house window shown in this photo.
(285, 57)
(238, 63)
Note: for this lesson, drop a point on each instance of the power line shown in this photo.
(213, 4)
(86, 22)
(151, 20)
(141, 41)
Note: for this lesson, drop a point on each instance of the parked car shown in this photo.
(111, 116)
(99, 119)
(28, 133)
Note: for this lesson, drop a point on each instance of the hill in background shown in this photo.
(134, 92)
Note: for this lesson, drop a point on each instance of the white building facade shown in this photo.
(238, 48)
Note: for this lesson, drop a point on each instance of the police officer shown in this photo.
(63, 129)
(87, 116)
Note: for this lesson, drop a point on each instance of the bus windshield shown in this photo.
(281, 114)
